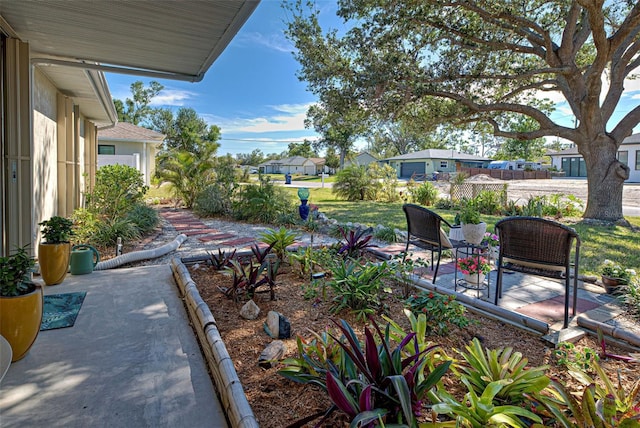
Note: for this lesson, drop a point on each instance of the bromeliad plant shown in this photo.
(484, 367)
(279, 240)
(480, 411)
(375, 382)
(601, 405)
(357, 287)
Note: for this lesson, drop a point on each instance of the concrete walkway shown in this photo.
(130, 360)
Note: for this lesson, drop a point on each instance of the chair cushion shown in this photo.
(533, 265)
(444, 240)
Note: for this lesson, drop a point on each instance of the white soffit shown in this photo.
(179, 38)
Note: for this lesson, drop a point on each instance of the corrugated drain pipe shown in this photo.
(142, 255)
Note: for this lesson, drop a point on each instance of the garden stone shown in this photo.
(273, 351)
(277, 326)
(249, 310)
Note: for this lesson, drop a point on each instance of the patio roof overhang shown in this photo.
(74, 41)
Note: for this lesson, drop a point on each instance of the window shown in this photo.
(444, 164)
(637, 160)
(104, 149)
(623, 157)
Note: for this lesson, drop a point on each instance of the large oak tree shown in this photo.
(480, 61)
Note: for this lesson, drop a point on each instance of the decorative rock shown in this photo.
(273, 352)
(249, 310)
(277, 326)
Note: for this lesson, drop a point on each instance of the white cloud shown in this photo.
(274, 41)
(286, 118)
(173, 97)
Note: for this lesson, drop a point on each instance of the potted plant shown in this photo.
(474, 269)
(20, 302)
(54, 252)
(455, 233)
(492, 241)
(472, 228)
(615, 275)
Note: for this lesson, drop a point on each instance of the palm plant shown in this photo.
(189, 173)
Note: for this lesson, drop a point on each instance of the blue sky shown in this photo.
(252, 93)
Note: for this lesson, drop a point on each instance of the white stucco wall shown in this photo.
(45, 168)
(125, 150)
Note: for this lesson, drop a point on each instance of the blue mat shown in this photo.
(61, 310)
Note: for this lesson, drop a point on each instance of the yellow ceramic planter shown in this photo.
(54, 262)
(20, 319)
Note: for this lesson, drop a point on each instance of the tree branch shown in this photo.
(624, 128)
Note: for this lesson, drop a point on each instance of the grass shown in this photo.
(598, 243)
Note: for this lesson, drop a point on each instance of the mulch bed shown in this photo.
(278, 402)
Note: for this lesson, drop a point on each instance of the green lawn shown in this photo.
(597, 242)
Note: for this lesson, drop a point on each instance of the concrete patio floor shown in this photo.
(130, 360)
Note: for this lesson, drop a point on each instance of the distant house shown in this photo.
(573, 165)
(434, 160)
(362, 159)
(292, 165)
(128, 144)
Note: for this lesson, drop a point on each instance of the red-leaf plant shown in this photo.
(373, 382)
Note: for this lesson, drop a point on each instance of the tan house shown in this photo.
(128, 144)
(293, 165)
(56, 98)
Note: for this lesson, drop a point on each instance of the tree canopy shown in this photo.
(464, 62)
(137, 110)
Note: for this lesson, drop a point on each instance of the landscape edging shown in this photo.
(232, 396)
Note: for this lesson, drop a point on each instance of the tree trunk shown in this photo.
(606, 176)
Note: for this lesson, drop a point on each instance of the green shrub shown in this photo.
(212, 201)
(144, 218)
(117, 190)
(109, 230)
(441, 311)
(445, 204)
(386, 234)
(357, 287)
(353, 183)
(490, 202)
(263, 202)
(424, 194)
(384, 182)
(86, 225)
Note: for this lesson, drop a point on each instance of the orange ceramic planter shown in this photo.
(54, 262)
(20, 319)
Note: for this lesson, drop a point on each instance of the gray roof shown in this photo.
(438, 154)
(124, 131)
(632, 139)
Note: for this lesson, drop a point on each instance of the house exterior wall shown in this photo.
(139, 155)
(45, 148)
(632, 161)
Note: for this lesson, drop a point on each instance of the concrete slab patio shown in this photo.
(130, 360)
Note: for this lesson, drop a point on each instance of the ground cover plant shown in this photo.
(495, 372)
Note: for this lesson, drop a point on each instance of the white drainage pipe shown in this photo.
(142, 255)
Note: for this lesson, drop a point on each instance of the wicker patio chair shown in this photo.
(541, 247)
(424, 230)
